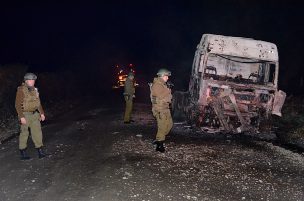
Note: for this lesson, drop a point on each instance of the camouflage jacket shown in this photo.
(129, 88)
(27, 100)
(160, 94)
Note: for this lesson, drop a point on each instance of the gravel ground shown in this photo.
(94, 156)
(204, 167)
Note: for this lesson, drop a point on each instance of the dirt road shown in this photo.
(94, 156)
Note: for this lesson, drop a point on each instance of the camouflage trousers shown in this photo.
(129, 108)
(32, 124)
(164, 123)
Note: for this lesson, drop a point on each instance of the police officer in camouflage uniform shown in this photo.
(161, 98)
(129, 94)
(30, 113)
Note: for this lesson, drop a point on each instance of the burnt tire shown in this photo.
(192, 115)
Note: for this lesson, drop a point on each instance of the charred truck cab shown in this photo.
(233, 85)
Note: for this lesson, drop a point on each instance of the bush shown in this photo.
(10, 78)
(291, 124)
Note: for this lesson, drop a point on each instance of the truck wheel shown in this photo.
(192, 115)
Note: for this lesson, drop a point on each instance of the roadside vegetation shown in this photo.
(58, 93)
(10, 77)
(290, 126)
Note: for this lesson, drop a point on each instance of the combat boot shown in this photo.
(23, 155)
(160, 146)
(154, 142)
(41, 154)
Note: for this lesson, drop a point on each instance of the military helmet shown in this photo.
(30, 76)
(161, 72)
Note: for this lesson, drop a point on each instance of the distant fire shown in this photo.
(122, 74)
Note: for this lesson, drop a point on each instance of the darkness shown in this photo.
(89, 38)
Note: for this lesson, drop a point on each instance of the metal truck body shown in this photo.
(233, 85)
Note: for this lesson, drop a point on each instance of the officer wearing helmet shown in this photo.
(161, 98)
(30, 113)
(129, 94)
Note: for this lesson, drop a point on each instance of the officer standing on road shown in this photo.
(30, 113)
(129, 94)
(161, 98)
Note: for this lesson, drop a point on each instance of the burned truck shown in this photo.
(233, 86)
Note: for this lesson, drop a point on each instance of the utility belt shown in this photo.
(161, 106)
(34, 112)
(157, 101)
(128, 96)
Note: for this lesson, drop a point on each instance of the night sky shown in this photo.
(52, 37)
